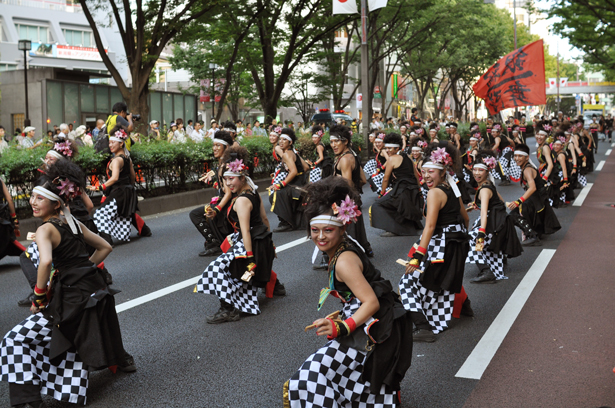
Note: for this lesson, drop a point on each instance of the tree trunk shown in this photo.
(138, 104)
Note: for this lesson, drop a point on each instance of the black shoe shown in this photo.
(279, 289)
(531, 241)
(388, 234)
(485, 276)
(145, 231)
(108, 277)
(466, 308)
(26, 302)
(283, 228)
(423, 336)
(369, 252)
(35, 404)
(223, 316)
(212, 251)
(128, 365)
(505, 182)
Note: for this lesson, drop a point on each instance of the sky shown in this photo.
(567, 51)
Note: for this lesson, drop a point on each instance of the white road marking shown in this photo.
(600, 165)
(608, 152)
(612, 144)
(477, 362)
(187, 283)
(582, 195)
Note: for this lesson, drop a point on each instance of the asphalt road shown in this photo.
(184, 362)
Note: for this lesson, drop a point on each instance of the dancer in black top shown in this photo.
(398, 211)
(322, 166)
(348, 165)
(9, 225)
(210, 219)
(74, 327)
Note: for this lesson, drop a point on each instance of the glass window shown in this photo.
(116, 96)
(68, 36)
(167, 109)
(54, 104)
(33, 33)
(178, 101)
(190, 112)
(71, 103)
(87, 98)
(42, 35)
(102, 99)
(155, 110)
(87, 39)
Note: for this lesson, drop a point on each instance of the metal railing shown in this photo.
(58, 5)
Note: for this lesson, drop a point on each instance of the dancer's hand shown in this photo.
(324, 327)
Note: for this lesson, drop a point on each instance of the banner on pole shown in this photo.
(518, 79)
(345, 7)
(376, 4)
(359, 101)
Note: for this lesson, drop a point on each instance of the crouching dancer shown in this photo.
(73, 328)
(370, 340)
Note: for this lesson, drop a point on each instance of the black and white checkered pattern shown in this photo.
(582, 180)
(370, 168)
(280, 174)
(466, 175)
(496, 175)
(315, 174)
(32, 254)
(504, 162)
(424, 192)
(331, 377)
(377, 179)
(514, 171)
(494, 260)
(108, 221)
(24, 354)
(217, 280)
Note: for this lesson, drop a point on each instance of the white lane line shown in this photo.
(612, 144)
(600, 165)
(477, 362)
(582, 195)
(608, 152)
(187, 283)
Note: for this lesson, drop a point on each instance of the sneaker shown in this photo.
(423, 336)
(223, 316)
(128, 365)
(388, 234)
(25, 302)
(279, 289)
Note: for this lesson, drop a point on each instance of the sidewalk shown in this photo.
(560, 352)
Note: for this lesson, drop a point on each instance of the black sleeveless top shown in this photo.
(124, 178)
(494, 201)
(450, 214)
(405, 171)
(71, 252)
(356, 172)
(255, 214)
(504, 143)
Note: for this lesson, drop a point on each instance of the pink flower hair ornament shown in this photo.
(422, 144)
(63, 148)
(477, 135)
(419, 131)
(319, 133)
(121, 134)
(347, 211)
(475, 128)
(68, 189)
(490, 162)
(236, 166)
(277, 130)
(381, 136)
(547, 127)
(440, 156)
(497, 127)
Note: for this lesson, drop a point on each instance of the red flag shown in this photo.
(518, 79)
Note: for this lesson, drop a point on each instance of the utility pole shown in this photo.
(557, 59)
(515, 34)
(365, 77)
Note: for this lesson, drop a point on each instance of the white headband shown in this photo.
(520, 153)
(431, 165)
(412, 134)
(273, 133)
(416, 149)
(542, 132)
(334, 137)
(74, 226)
(391, 145)
(253, 186)
(481, 166)
(230, 130)
(287, 138)
(326, 219)
(117, 139)
(55, 154)
(557, 141)
(220, 141)
(473, 138)
(451, 182)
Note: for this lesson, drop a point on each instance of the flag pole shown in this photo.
(365, 79)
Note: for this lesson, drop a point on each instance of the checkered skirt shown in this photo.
(582, 180)
(217, 280)
(315, 174)
(24, 355)
(436, 306)
(494, 260)
(505, 161)
(108, 221)
(370, 167)
(331, 377)
(32, 254)
(279, 174)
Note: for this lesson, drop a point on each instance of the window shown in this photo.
(78, 38)
(37, 34)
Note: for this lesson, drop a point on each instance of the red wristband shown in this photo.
(218, 208)
(522, 199)
(352, 325)
(249, 253)
(334, 327)
(38, 291)
(481, 229)
(421, 250)
(13, 215)
(565, 178)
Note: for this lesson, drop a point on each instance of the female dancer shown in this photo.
(114, 217)
(454, 137)
(587, 147)
(433, 132)
(370, 347)
(74, 327)
(285, 196)
(493, 235)
(374, 168)
(562, 168)
(502, 147)
(398, 211)
(532, 212)
(434, 273)
(236, 275)
(547, 169)
(9, 225)
(348, 165)
(323, 164)
(210, 219)
(279, 172)
(469, 157)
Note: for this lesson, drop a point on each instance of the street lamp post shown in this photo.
(213, 89)
(25, 46)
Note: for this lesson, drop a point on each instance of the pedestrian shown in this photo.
(120, 205)
(532, 212)
(279, 173)
(562, 168)
(248, 131)
(189, 127)
(348, 165)
(179, 134)
(503, 149)
(28, 141)
(493, 235)
(286, 197)
(171, 132)
(213, 129)
(96, 131)
(546, 168)
(235, 276)
(197, 135)
(370, 339)
(153, 132)
(4, 144)
(210, 219)
(434, 273)
(258, 131)
(73, 328)
(398, 211)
